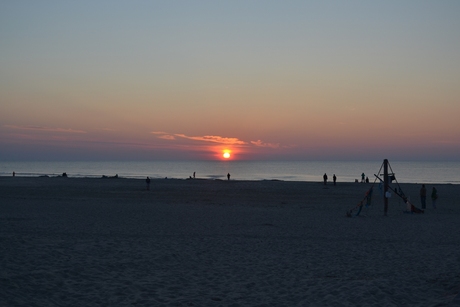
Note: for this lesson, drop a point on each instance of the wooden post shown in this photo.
(385, 186)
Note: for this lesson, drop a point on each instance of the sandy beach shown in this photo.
(111, 242)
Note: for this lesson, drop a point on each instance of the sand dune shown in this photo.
(110, 242)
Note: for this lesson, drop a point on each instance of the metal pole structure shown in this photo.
(385, 186)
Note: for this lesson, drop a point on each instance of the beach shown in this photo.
(112, 242)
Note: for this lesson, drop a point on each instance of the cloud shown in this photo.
(259, 143)
(213, 139)
(167, 137)
(47, 129)
(205, 138)
(218, 140)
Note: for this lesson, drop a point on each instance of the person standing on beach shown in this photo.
(147, 181)
(228, 176)
(334, 178)
(362, 177)
(434, 197)
(325, 178)
(423, 196)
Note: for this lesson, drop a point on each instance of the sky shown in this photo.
(262, 80)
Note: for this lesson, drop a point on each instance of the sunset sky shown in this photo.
(264, 80)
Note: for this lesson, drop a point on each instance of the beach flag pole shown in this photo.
(385, 186)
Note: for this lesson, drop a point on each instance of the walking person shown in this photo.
(147, 181)
(325, 178)
(228, 176)
(434, 197)
(334, 178)
(423, 196)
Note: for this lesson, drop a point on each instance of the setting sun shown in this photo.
(226, 155)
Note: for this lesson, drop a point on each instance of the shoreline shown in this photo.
(312, 171)
(215, 179)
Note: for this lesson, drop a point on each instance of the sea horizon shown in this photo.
(346, 171)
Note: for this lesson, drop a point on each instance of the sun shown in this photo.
(226, 155)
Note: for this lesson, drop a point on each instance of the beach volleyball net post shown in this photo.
(388, 178)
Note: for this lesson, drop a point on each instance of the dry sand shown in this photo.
(109, 242)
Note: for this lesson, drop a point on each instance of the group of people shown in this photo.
(434, 196)
(334, 178)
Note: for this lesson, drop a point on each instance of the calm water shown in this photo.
(413, 172)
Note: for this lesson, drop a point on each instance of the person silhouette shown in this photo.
(325, 178)
(228, 176)
(147, 181)
(334, 178)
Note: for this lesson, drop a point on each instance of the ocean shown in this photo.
(346, 171)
